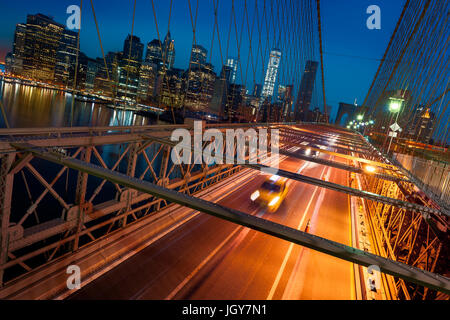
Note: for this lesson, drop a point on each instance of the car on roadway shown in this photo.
(271, 193)
(308, 151)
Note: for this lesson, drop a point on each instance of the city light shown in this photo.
(395, 105)
(370, 169)
(164, 148)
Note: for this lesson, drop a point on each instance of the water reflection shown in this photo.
(28, 106)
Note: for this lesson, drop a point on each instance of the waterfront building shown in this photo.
(147, 79)
(42, 41)
(18, 52)
(66, 57)
(128, 70)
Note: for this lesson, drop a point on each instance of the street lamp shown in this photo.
(360, 117)
(370, 169)
(395, 105)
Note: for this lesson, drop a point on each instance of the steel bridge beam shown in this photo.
(82, 136)
(341, 166)
(336, 164)
(313, 181)
(393, 268)
(322, 142)
(344, 141)
(307, 136)
(444, 207)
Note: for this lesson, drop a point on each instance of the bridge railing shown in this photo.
(50, 210)
(412, 237)
(431, 176)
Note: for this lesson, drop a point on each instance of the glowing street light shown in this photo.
(370, 169)
(359, 117)
(395, 105)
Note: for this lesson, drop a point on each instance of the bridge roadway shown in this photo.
(209, 258)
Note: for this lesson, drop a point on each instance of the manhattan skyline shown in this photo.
(351, 51)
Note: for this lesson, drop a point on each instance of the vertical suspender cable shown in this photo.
(321, 62)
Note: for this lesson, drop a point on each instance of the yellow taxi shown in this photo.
(271, 193)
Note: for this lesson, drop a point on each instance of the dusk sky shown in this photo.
(351, 50)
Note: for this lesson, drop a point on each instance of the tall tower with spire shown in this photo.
(169, 51)
(271, 75)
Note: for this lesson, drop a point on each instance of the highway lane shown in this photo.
(262, 267)
(208, 258)
(317, 275)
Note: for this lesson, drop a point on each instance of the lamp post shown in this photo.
(395, 106)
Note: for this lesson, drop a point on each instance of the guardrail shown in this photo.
(430, 176)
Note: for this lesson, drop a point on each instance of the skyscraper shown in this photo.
(106, 76)
(288, 101)
(154, 51)
(227, 74)
(129, 64)
(137, 48)
(171, 88)
(9, 61)
(147, 78)
(305, 90)
(198, 56)
(91, 72)
(421, 126)
(66, 57)
(169, 51)
(271, 74)
(257, 90)
(218, 103)
(281, 93)
(42, 40)
(235, 97)
(233, 64)
(19, 48)
(199, 86)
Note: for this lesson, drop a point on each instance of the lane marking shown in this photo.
(291, 246)
(296, 287)
(215, 251)
(182, 284)
(291, 284)
(92, 277)
(194, 213)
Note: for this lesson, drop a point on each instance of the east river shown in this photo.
(27, 106)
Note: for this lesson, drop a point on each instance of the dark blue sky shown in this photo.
(350, 48)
